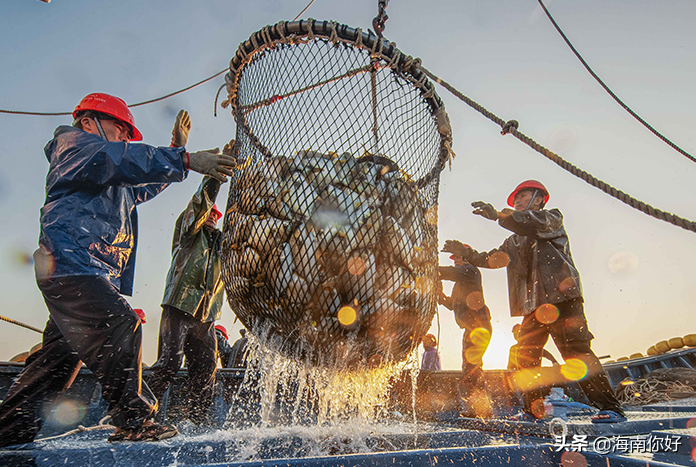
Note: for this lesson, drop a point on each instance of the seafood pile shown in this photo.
(338, 253)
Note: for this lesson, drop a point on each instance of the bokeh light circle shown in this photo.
(475, 300)
(623, 262)
(538, 409)
(499, 259)
(573, 459)
(356, 265)
(347, 315)
(480, 337)
(574, 369)
(546, 314)
(67, 413)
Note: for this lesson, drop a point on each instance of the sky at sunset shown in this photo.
(637, 272)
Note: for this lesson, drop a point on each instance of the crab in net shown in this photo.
(330, 231)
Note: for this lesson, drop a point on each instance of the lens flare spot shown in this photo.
(23, 258)
(480, 337)
(499, 259)
(573, 459)
(538, 409)
(546, 314)
(356, 265)
(566, 285)
(624, 262)
(67, 412)
(474, 355)
(475, 300)
(562, 139)
(574, 369)
(431, 215)
(691, 423)
(347, 315)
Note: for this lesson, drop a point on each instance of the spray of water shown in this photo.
(320, 410)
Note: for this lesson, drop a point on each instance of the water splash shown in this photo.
(313, 410)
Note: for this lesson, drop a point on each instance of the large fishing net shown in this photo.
(330, 231)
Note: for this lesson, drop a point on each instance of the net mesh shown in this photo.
(330, 232)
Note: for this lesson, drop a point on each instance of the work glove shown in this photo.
(228, 148)
(212, 163)
(182, 127)
(457, 248)
(486, 210)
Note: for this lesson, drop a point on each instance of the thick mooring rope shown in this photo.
(511, 127)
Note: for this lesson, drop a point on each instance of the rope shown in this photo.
(275, 98)
(150, 101)
(510, 127)
(100, 426)
(10, 320)
(611, 93)
(652, 390)
(306, 8)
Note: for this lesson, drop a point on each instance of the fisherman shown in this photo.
(192, 302)
(512, 357)
(223, 345)
(85, 264)
(473, 316)
(544, 288)
(237, 358)
(431, 359)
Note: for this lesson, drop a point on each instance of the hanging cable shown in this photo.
(302, 12)
(150, 101)
(511, 127)
(611, 93)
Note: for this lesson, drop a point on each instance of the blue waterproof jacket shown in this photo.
(89, 222)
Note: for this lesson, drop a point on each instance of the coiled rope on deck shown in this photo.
(511, 127)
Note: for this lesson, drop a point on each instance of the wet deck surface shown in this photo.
(473, 442)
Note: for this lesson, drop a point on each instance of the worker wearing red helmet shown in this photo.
(544, 288)
(193, 299)
(86, 261)
(473, 316)
(223, 345)
(431, 359)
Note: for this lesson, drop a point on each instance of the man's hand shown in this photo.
(182, 127)
(456, 248)
(212, 163)
(486, 210)
(228, 148)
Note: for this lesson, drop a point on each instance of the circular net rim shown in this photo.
(303, 31)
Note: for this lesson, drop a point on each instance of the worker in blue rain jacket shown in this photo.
(544, 288)
(85, 264)
(193, 299)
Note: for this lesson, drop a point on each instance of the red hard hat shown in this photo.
(526, 185)
(431, 337)
(140, 313)
(222, 329)
(110, 105)
(217, 211)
